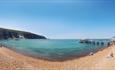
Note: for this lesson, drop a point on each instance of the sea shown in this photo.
(54, 49)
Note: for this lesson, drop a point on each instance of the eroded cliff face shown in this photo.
(11, 34)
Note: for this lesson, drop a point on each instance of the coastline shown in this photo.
(11, 60)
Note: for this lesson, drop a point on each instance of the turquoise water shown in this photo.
(53, 49)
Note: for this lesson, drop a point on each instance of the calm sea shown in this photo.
(59, 49)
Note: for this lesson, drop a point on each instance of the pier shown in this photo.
(96, 42)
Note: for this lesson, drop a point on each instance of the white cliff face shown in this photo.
(21, 36)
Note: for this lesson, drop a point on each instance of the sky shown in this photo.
(60, 19)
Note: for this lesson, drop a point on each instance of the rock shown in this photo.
(11, 34)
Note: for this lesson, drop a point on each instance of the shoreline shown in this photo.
(99, 60)
(54, 60)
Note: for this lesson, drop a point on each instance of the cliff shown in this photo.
(11, 34)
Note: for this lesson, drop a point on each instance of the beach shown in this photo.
(10, 60)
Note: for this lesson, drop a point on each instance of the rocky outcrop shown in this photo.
(11, 34)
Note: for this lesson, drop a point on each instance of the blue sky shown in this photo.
(59, 19)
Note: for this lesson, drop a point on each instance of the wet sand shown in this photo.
(10, 60)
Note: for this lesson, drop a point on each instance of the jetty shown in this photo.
(96, 42)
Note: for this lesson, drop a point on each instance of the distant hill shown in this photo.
(15, 34)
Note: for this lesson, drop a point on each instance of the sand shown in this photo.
(10, 60)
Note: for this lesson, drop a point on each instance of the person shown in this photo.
(108, 44)
(111, 55)
(91, 53)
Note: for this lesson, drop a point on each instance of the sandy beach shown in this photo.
(10, 60)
